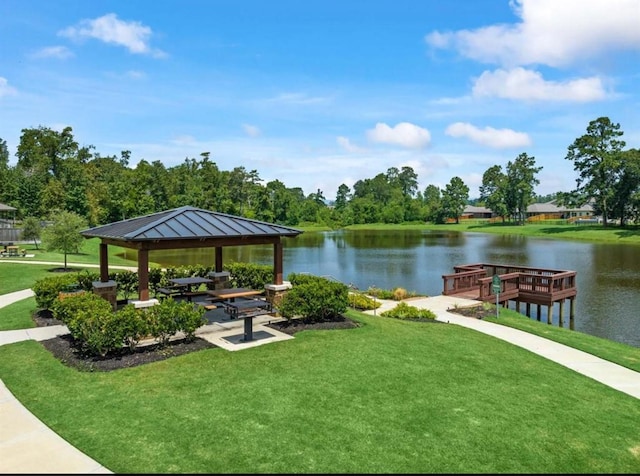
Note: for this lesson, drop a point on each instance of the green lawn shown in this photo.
(388, 397)
(552, 230)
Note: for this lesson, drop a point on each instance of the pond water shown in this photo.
(608, 276)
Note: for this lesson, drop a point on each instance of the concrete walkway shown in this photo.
(608, 373)
(27, 445)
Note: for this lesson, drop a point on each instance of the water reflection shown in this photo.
(608, 276)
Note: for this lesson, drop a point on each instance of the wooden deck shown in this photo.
(519, 284)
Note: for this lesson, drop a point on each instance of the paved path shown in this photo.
(27, 445)
(608, 373)
(69, 265)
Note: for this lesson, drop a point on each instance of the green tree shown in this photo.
(596, 157)
(493, 190)
(64, 233)
(521, 180)
(31, 230)
(624, 202)
(454, 198)
(433, 204)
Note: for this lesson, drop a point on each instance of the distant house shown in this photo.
(471, 211)
(535, 211)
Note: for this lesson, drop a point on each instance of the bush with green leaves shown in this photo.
(91, 322)
(132, 324)
(189, 319)
(395, 294)
(127, 282)
(46, 290)
(249, 275)
(362, 302)
(85, 279)
(155, 279)
(405, 311)
(162, 320)
(314, 299)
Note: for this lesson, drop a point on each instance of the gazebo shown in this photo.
(186, 227)
(6, 209)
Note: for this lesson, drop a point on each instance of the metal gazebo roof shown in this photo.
(186, 227)
(187, 223)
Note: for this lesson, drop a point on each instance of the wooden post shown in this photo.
(218, 264)
(572, 311)
(538, 311)
(143, 274)
(104, 262)
(528, 307)
(277, 262)
(550, 314)
(561, 322)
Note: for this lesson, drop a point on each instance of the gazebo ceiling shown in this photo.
(188, 227)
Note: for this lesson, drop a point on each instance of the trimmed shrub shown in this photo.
(314, 299)
(190, 318)
(47, 289)
(91, 322)
(162, 320)
(362, 302)
(249, 275)
(127, 282)
(85, 279)
(405, 311)
(132, 324)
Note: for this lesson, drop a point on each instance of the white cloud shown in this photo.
(490, 137)
(524, 84)
(5, 89)
(551, 32)
(404, 134)
(184, 140)
(58, 52)
(108, 28)
(346, 144)
(251, 131)
(297, 99)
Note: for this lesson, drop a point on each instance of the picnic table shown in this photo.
(230, 294)
(11, 250)
(185, 286)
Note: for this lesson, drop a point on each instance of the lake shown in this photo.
(608, 275)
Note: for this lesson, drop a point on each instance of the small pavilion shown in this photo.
(187, 227)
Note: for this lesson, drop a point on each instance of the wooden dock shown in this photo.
(518, 284)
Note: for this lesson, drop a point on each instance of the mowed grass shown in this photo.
(616, 352)
(590, 233)
(388, 397)
(89, 252)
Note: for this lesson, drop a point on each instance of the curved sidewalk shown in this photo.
(27, 445)
(614, 375)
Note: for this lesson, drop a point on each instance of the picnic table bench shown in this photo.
(171, 291)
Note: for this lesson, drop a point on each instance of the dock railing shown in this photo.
(536, 285)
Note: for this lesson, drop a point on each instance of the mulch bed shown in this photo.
(296, 325)
(67, 351)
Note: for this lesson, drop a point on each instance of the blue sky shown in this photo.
(320, 93)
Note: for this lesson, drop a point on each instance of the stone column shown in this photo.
(275, 292)
(221, 280)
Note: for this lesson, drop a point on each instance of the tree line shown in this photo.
(53, 173)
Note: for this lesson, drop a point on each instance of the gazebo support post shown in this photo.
(277, 262)
(104, 262)
(143, 274)
(218, 262)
